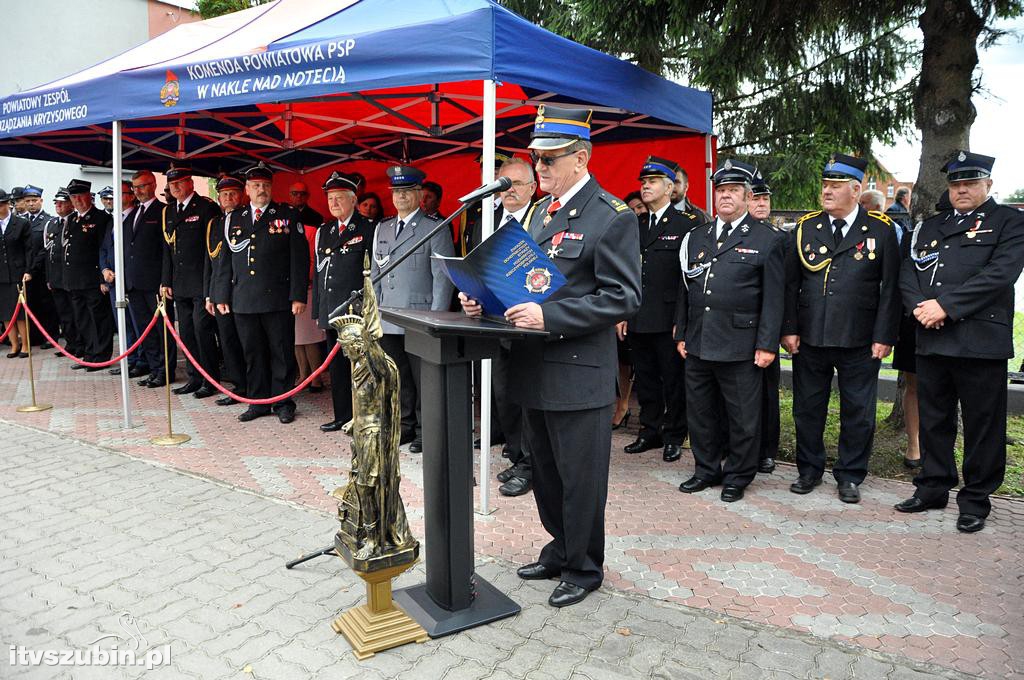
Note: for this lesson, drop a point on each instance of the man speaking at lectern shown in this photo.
(566, 382)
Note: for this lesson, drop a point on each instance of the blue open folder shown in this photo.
(507, 269)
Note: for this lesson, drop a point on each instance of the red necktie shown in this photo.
(257, 213)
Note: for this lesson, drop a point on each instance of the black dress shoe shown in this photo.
(695, 484)
(766, 465)
(187, 388)
(804, 485)
(731, 493)
(137, 372)
(60, 354)
(848, 492)
(506, 474)
(968, 524)
(912, 463)
(46, 345)
(516, 486)
(333, 426)
(567, 594)
(286, 415)
(225, 401)
(494, 441)
(253, 414)
(407, 436)
(116, 370)
(535, 571)
(204, 392)
(93, 369)
(915, 504)
(158, 381)
(643, 444)
(416, 445)
(78, 367)
(671, 453)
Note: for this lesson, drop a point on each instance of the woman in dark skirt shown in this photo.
(14, 246)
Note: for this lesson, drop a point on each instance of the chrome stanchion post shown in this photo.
(169, 439)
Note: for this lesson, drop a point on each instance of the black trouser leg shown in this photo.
(571, 452)
(41, 301)
(414, 371)
(770, 426)
(279, 331)
(88, 307)
(394, 345)
(648, 381)
(66, 312)
(812, 385)
(231, 348)
(739, 383)
(704, 416)
(937, 399)
(143, 304)
(206, 337)
(257, 357)
(187, 330)
(510, 414)
(857, 374)
(341, 382)
(981, 384)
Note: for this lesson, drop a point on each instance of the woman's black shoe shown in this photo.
(333, 426)
(624, 422)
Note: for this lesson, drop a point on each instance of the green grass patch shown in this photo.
(891, 443)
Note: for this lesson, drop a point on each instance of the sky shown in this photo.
(997, 130)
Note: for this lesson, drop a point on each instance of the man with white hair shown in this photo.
(872, 199)
(846, 296)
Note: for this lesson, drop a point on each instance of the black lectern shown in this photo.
(453, 598)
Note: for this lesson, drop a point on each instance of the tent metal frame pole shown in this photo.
(487, 228)
(709, 188)
(121, 303)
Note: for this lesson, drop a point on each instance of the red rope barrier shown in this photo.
(10, 324)
(255, 402)
(91, 364)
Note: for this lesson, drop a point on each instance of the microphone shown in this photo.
(500, 184)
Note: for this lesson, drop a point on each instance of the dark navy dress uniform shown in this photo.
(227, 331)
(730, 305)
(143, 263)
(566, 382)
(55, 243)
(658, 367)
(265, 269)
(84, 236)
(968, 264)
(341, 248)
(185, 255)
(37, 292)
(846, 297)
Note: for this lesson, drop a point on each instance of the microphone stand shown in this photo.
(358, 294)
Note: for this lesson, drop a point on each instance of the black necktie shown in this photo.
(837, 230)
(398, 227)
(181, 207)
(135, 218)
(726, 228)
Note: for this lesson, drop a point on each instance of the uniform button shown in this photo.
(252, 273)
(939, 283)
(711, 276)
(714, 259)
(945, 246)
(708, 293)
(707, 309)
(252, 259)
(941, 265)
(830, 292)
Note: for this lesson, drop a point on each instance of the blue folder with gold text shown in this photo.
(507, 269)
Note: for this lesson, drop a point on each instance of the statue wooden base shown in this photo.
(378, 624)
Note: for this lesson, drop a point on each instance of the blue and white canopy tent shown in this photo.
(307, 85)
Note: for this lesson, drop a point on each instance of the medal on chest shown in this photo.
(556, 241)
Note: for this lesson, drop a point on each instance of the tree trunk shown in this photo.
(943, 111)
(896, 417)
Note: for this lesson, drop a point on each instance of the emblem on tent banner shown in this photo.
(170, 93)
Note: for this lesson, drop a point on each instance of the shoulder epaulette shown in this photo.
(615, 203)
(808, 216)
(877, 214)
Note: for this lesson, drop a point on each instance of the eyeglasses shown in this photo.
(519, 185)
(139, 186)
(548, 160)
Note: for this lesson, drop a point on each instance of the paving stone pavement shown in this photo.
(89, 538)
(910, 585)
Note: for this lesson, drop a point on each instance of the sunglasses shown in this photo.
(548, 160)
